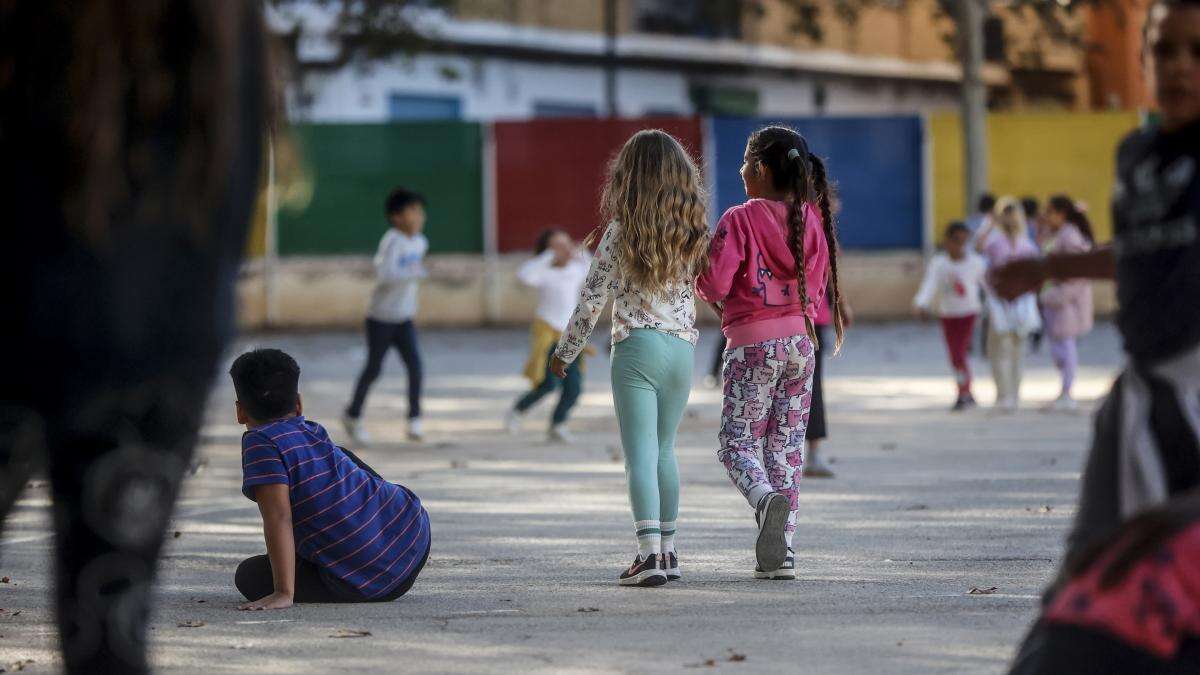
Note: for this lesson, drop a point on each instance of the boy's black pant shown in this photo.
(382, 336)
(254, 578)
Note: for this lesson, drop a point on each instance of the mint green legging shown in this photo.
(651, 381)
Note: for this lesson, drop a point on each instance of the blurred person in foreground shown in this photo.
(130, 152)
(1145, 449)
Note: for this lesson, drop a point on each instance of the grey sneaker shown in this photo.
(786, 571)
(772, 515)
(670, 565)
(416, 431)
(356, 432)
(560, 434)
(512, 422)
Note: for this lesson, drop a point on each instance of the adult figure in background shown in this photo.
(130, 148)
(1066, 305)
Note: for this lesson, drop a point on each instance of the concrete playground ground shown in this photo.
(529, 537)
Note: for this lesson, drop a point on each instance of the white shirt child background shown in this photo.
(557, 287)
(399, 267)
(952, 288)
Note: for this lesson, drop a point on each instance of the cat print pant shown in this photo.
(768, 393)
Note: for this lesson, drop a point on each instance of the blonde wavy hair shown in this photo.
(654, 193)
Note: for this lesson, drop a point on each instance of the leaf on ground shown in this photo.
(735, 657)
(707, 663)
(16, 612)
(16, 665)
(1046, 508)
(588, 610)
(5, 580)
(917, 507)
(975, 590)
(348, 633)
(888, 446)
(190, 623)
(458, 464)
(177, 534)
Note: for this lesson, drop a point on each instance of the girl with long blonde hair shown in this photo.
(654, 245)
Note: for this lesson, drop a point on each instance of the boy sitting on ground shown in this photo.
(335, 530)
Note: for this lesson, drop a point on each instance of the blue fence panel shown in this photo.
(877, 162)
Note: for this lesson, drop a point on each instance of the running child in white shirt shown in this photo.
(951, 291)
(557, 272)
(399, 267)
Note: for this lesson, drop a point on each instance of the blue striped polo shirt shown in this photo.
(367, 532)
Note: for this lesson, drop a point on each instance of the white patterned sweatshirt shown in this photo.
(671, 311)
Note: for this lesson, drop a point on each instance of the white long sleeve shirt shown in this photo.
(399, 267)
(557, 287)
(951, 288)
(671, 311)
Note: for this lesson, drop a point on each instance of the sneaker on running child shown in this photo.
(772, 515)
(356, 432)
(560, 434)
(786, 571)
(415, 430)
(512, 422)
(644, 572)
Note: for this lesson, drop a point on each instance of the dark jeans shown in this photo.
(572, 387)
(254, 578)
(382, 336)
(1051, 649)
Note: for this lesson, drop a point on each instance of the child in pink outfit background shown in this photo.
(1066, 305)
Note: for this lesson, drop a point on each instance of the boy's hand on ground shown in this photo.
(275, 600)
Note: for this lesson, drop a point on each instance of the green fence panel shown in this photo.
(353, 168)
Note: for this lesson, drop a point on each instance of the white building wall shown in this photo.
(491, 88)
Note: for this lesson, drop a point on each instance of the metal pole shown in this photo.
(974, 101)
(271, 248)
(610, 57)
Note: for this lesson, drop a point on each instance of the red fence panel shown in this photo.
(549, 173)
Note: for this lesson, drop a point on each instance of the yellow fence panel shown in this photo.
(1037, 154)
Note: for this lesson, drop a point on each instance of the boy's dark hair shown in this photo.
(266, 382)
(400, 199)
(986, 203)
(543, 240)
(955, 227)
(1030, 206)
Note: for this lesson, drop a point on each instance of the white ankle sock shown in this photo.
(668, 536)
(649, 536)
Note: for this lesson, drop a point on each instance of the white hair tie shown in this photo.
(793, 154)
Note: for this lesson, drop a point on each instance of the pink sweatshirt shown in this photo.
(751, 269)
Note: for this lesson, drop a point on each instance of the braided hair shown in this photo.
(795, 170)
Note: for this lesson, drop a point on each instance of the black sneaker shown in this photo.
(646, 572)
(670, 566)
(786, 571)
(772, 517)
(964, 402)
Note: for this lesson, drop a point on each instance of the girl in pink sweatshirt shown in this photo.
(768, 308)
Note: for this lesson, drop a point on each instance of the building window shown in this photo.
(712, 19)
(559, 109)
(730, 101)
(408, 107)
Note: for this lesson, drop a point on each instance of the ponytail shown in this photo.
(824, 193)
(1076, 217)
